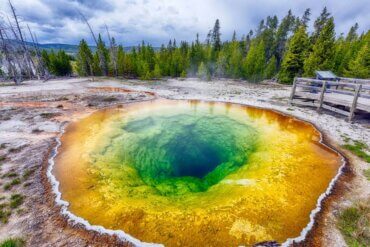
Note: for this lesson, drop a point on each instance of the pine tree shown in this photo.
(346, 50)
(293, 61)
(268, 34)
(360, 66)
(341, 48)
(235, 62)
(96, 65)
(234, 36)
(221, 64)
(209, 37)
(59, 63)
(129, 65)
(271, 69)
(319, 24)
(260, 62)
(282, 34)
(113, 57)
(103, 56)
(209, 59)
(248, 64)
(65, 66)
(121, 68)
(254, 63)
(134, 63)
(203, 73)
(157, 72)
(144, 71)
(260, 28)
(196, 55)
(45, 58)
(216, 36)
(177, 64)
(323, 51)
(306, 17)
(84, 59)
(352, 34)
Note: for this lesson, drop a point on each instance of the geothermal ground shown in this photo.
(32, 115)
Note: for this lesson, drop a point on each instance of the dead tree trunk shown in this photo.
(28, 58)
(39, 68)
(12, 70)
(15, 58)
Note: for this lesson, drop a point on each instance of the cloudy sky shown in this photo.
(157, 21)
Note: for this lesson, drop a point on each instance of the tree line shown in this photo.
(277, 49)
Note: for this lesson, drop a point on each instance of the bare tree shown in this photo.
(20, 37)
(18, 54)
(40, 68)
(12, 70)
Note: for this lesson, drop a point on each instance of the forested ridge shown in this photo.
(276, 49)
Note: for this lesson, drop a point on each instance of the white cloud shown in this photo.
(157, 21)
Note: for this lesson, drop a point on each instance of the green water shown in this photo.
(181, 153)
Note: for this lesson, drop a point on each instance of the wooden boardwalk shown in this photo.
(345, 96)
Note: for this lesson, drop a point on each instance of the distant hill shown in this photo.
(68, 48)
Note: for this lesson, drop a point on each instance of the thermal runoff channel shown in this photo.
(193, 173)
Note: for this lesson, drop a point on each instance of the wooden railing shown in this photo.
(347, 93)
(354, 80)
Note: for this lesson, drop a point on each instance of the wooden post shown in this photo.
(354, 102)
(293, 91)
(321, 99)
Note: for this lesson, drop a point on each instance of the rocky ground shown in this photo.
(31, 116)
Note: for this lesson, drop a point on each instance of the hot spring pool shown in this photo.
(192, 173)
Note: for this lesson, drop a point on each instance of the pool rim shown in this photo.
(77, 221)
